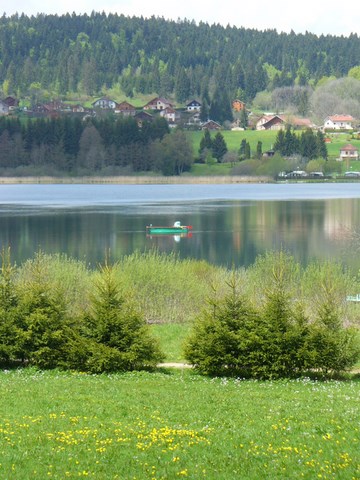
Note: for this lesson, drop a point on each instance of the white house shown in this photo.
(170, 114)
(104, 102)
(338, 122)
(349, 152)
(158, 103)
(193, 106)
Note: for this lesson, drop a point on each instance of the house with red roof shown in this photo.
(339, 122)
(349, 152)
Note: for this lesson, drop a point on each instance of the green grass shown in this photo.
(170, 425)
(268, 137)
(172, 337)
(233, 139)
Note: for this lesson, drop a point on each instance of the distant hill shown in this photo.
(87, 54)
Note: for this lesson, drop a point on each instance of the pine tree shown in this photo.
(206, 141)
(321, 145)
(219, 147)
(279, 145)
(119, 337)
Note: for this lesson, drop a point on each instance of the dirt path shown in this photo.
(174, 365)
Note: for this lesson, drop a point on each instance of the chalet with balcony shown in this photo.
(11, 102)
(339, 122)
(193, 106)
(158, 103)
(104, 103)
(349, 152)
(211, 125)
(125, 109)
(270, 122)
(170, 114)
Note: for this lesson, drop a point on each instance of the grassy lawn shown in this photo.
(233, 140)
(172, 337)
(169, 425)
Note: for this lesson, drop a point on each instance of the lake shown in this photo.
(232, 223)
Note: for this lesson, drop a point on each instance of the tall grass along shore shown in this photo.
(137, 180)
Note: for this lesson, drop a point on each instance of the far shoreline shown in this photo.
(136, 180)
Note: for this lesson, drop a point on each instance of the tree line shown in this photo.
(69, 144)
(85, 54)
(55, 313)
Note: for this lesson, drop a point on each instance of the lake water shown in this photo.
(232, 224)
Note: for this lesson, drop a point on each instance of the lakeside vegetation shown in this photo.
(119, 147)
(58, 313)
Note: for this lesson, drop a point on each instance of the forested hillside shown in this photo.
(87, 54)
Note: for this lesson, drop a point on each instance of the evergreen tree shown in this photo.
(308, 144)
(206, 141)
(9, 300)
(321, 145)
(220, 108)
(290, 146)
(247, 150)
(119, 338)
(279, 145)
(259, 150)
(182, 86)
(219, 147)
(244, 118)
(242, 148)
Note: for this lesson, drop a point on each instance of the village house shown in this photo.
(238, 105)
(158, 103)
(142, 117)
(77, 108)
(270, 122)
(210, 125)
(126, 109)
(349, 152)
(276, 122)
(11, 102)
(104, 102)
(193, 106)
(170, 115)
(339, 122)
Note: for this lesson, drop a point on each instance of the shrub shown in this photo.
(120, 338)
(277, 338)
(219, 343)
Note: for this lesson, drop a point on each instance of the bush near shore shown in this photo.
(284, 320)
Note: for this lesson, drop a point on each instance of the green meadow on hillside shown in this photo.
(233, 140)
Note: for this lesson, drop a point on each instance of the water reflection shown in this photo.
(224, 232)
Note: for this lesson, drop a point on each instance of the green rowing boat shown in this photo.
(176, 229)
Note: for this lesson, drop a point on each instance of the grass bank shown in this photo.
(176, 425)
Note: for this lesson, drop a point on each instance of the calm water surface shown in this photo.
(232, 224)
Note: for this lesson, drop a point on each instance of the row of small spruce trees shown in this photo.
(230, 337)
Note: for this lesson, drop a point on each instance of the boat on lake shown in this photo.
(176, 229)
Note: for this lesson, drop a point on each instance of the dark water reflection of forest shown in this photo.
(86, 221)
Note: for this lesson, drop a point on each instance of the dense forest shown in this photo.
(110, 145)
(87, 54)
